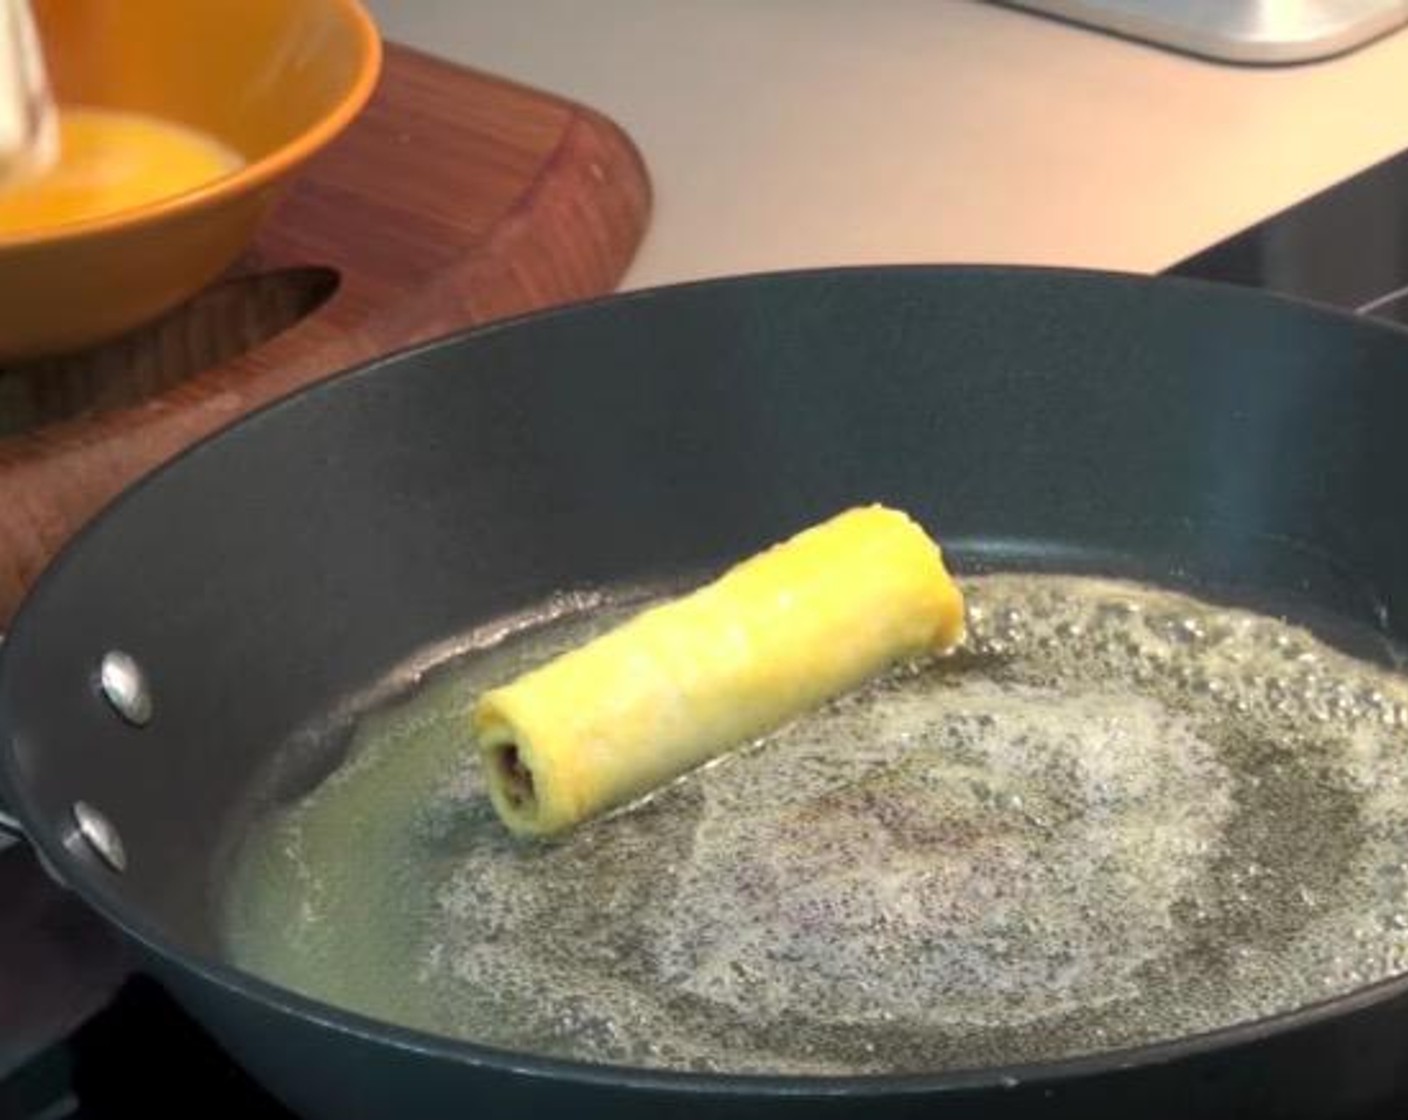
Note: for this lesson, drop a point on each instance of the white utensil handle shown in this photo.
(29, 138)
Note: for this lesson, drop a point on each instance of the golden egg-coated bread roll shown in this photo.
(774, 636)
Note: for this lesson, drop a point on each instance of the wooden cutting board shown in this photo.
(456, 198)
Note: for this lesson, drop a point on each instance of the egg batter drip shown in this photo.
(1118, 815)
(109, 161)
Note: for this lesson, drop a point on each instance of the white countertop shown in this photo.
(784, 133)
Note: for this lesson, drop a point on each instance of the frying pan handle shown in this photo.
(10, 829)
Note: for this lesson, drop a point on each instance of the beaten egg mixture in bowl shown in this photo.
(110, 161)
(179, 123)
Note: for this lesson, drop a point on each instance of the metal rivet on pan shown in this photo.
(125, 686)
(100, 834)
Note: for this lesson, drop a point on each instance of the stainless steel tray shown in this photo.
(1238, 30)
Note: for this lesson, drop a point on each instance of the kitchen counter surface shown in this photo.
(785, 133)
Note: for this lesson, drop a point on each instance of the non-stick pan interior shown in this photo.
(1078, 421)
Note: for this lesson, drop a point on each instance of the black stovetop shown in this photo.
(1347, 247)
(140, 1056)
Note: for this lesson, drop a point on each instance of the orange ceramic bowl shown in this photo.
(275, 79)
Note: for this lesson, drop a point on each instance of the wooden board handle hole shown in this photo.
(224, 322)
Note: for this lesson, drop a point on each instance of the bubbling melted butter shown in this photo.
(1119, 815)
(110, 161)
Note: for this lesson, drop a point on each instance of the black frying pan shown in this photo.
(1158, 429)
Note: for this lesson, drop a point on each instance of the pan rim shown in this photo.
(100, 895)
